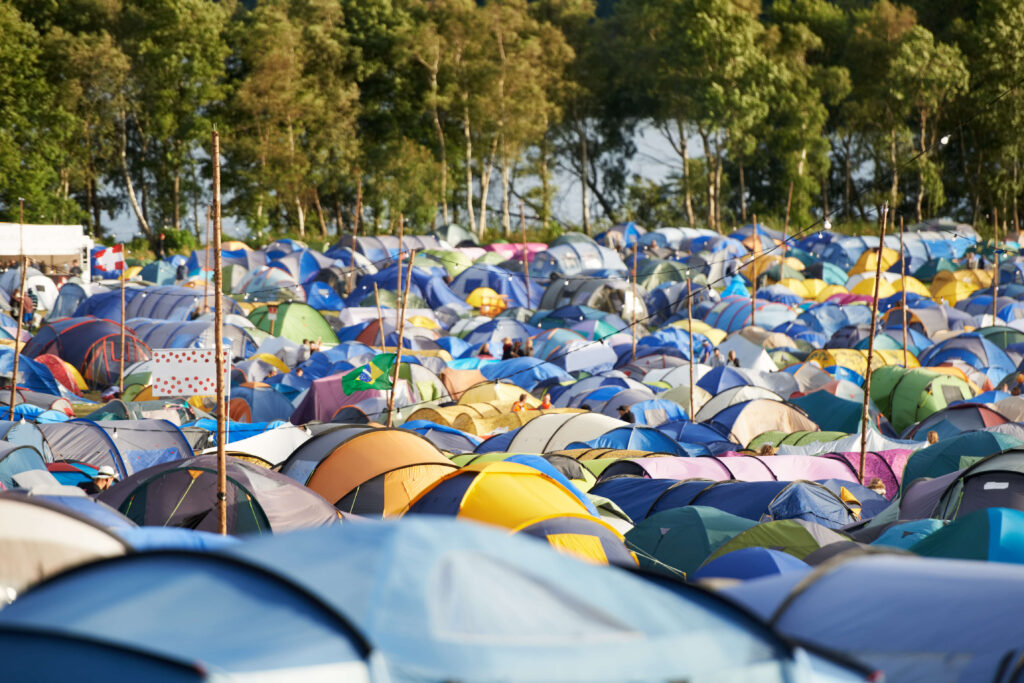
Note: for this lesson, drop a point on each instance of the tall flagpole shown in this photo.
(218, 345)
(401, 335)
(120, 382)
(21, 302)
(636, 251)
(995, 265)
(689, 324)
(903, 303)
(871, 351)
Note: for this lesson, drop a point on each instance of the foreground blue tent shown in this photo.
(751, 563)
(635, 438)
(431, 617)
(526, 371)
(174, 615)
(915, 619)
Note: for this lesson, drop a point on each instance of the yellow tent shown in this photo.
(273, 360)
(952, 286)
(700, 327)
(504, 421)
(796, 286)
(867, 286)
(868, 261)
(500, 392)
(423, 321)
(829, 290)
(813, 287)
(132, 271)
(912, 285)
(857, 359)
(487, 300)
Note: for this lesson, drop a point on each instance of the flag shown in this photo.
(187, 372)
(374, 375)
(108, 261)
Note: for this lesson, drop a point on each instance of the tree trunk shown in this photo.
(177, 200)
(545, 181)
(894, 188)
(139, 214)
(485, 186)
(684, 152)
(743, 194)
(711, 178)
(506, 217)
(357, 213)
(469, 161)
(320, 213)
(920, 173)
(300, 214)
(339, 225)
(848, 179)
(584, 176)
(441, 145)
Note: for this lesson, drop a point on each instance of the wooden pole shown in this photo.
(785, 225)
(380, 315)
(753, 269)
(526, 260)
(636, 252)
(689, 324)
(350, 281)
(903, 302)
(995, 266)
(401, 335)
(218, 345)
(120, 381)
(401, 239)
(871, 353)
(206, 267)
(21, 304)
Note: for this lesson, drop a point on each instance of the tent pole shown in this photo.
(785, 225)
(689, 324)
(401, 335)
(636, 252)
(903, 303)
(871, 350)
(120, 381)
(756, 244)
(218, 345)
(380, 316)
(21, 303)
(995, 265)
(526, 261)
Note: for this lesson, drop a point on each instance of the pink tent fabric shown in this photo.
(684, 468)
(515, 250)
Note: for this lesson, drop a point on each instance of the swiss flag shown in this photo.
(108, 259)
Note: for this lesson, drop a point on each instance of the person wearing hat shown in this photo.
(103, 480)
(625, 414)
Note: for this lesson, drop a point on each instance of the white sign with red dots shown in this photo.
(187, 372)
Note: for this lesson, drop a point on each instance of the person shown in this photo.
(302, 355)
(101, 481)
(717, 360)
(933, 437)
(506, 349)
(528, 348)
(625, 414)
(484, 352)
(877, 485)
(517, 349)
(733, 360)
(705, 349)
(767, 449)
(545, 403)
(520, 405)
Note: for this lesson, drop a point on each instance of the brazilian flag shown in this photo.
(374, 375)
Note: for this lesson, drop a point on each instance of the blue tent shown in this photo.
(751, 563)
(15, 459)
(322, 297)
(439, 621)
(505, 283)
(915, 619)
(696, 433)
(526, 372)
(973, 349)
(655, 412)
(636, 438)
(800, 332)
(494, 331)
(159, 273)
(444, 437)
(906, 534)
(719, 379)
(265, 404)
(224, 614)
(32, 375)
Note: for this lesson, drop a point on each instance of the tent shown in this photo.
(955, 453)
(797, 537)
(295, 321)
(989, 534)
(751, 563)
(182, 493)
(367, 471)
(681, 539)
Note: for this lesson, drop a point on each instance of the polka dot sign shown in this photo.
(187, 372)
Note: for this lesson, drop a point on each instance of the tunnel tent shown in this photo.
(181, 493)
(955, 453)
(577, 257)
(994, 481)
(83, 441)
(25, 433)
(743, 422)
(162, 334)
(956, 419)
(909, 396)
(16, 459)
(368, 471)
(295, 321)
(682, 538)
(610, 295)
(72, 294)
(555, 432)
(143, 443)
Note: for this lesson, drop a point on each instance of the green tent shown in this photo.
(780, 271)
(989, 534)
(1001, 335)
(933, 267)
(389, 298)
(800, 438)
(887, 341)
(682, 538)
(295, 321)
(909, 396)
(653, 272)
(956, 453)
(804, 257)
(491, 258)
(452, 261)
(835, 413)
(797, 537)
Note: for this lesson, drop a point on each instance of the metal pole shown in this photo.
(380, 316)
(995, 265)
(120, 382)
(871, 352)
(218, 345)
(398, 352)
(689, 324)
(753, 269)
(636, 251)
(21, 303)
(903, 303)
(526, 261)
